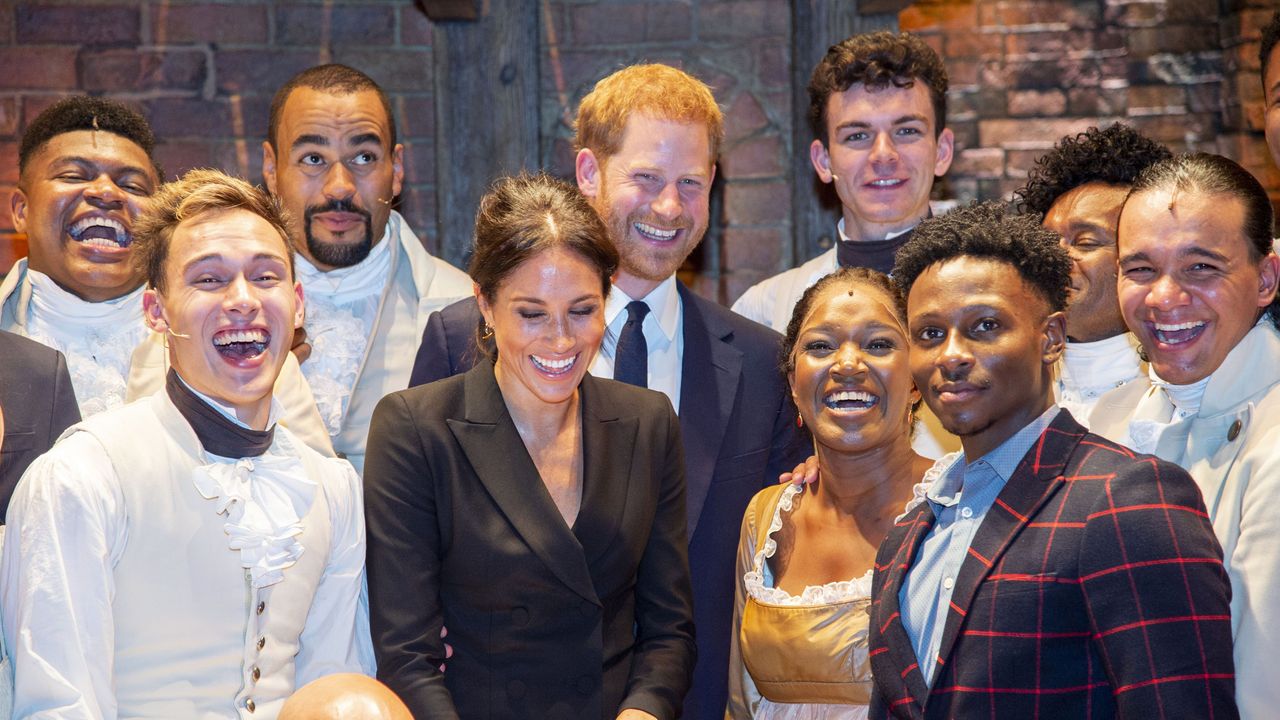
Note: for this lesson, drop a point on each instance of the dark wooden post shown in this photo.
(486, 98)
(817, 25)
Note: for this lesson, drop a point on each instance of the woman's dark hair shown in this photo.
(988, 230)
(850, 276)
(1208, 174)
(525, 215)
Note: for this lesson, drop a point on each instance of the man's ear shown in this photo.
(821, 160)
(587, 168)
(269, 166)
(397, 172)
(1268, 279)
(300, 312)
(18, 209)
(153, 311)
(946, 152)
(1055, 337)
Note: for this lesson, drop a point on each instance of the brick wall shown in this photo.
(1024, 73)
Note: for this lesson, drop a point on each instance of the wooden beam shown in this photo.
(486, 99)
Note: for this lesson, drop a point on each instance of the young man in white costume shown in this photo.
(184, 556)
(1197, 286)
(332, 159)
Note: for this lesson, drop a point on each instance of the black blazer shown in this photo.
(1093, 588)
(738, 425)
(38, 404)
(545, 622)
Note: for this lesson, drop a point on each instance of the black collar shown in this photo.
(218, 434)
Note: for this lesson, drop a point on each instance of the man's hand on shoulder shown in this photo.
(805, 473)
(301, 348)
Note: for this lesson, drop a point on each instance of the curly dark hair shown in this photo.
(82, 112)
(1115, 156)
(845, 276)
(989, 230)
(1270, 35)
(877, 60)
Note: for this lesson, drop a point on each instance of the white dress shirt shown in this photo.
(663, 333)
(1090, 369)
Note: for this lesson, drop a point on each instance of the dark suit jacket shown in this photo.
(38, 404)
(1094, 588)
(738, 425)
(545, 622)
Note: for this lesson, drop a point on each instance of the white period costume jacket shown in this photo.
(144, 578)
(420, 284)
(1232, 449)
(149, 363)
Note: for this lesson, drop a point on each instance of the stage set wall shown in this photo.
(496, 93)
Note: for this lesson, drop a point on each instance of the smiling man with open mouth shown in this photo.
(86, 171)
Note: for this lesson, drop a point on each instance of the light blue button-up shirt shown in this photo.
(959, 499)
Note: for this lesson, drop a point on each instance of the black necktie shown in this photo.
(631, 362)
(216, 433)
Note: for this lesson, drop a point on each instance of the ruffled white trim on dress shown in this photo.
(837, 591)
(264, 499)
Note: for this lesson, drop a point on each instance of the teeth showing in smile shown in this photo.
(654, 233)
(554, 367)
(1178, 333)
(101, 232)
(886, 182)
(850, 400)
(242, 343)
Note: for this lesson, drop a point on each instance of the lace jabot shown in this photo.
(264, 500)
(98, 339)
(839, 591)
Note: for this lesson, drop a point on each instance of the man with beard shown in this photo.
(332, 158)
(85, 171)
(648, 137)
(184, 556)
(1049, 573)
(1197, 286)
(1077, 189)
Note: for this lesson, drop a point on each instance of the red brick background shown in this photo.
(1024, 73)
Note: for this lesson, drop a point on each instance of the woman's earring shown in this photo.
(488, 332)
(799, 420)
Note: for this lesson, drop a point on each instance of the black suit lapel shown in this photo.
(608, 443)
(1037, 478)
(497, 454)
(710, 374)
(907, 536)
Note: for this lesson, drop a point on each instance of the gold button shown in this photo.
(261, 641)
(256, 673)
(249, 705)
(262, 606)
(1233, 432)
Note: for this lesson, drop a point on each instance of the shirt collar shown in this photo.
(230, 412)
(663, 302)
(888, 236)
(60, 308)
(1003, 461)
(367, 277)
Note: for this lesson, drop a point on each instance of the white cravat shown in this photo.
(1090, 369)
(342, 306)
(1163, 407)
(97, 339)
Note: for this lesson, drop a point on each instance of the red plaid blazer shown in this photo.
(1094, 588)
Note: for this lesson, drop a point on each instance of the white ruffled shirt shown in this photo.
(97, 339)
(341, 309)
(1088, 370)
(1164, 406)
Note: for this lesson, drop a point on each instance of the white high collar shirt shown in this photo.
(97, 339)
(663, 334)
(341, 309)
(1090, 369)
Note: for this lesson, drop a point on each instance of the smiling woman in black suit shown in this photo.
(534, 510)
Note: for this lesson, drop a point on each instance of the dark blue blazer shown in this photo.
(737, 422)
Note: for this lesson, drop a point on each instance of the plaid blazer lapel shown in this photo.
(907, 536)
(1038, 476)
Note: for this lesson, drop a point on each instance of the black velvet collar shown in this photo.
(218, 434)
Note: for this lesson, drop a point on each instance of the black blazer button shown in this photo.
(1233, 432)
(515, 689)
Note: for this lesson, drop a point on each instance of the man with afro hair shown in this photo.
(1077, 189)
(1049, 573)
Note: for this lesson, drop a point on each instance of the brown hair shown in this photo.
(194, 194)
(525, 215)
(877, 60)
(659, 91)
